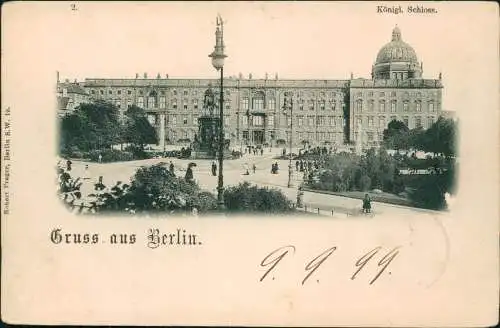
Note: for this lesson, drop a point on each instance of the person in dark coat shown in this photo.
(171, 167)
(68, 165)
(214, 169)
(254, 168)
(189, 174)
(367, 204)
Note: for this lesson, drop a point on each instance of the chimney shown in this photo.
(158, 76)
(145, 75)
(240, 76)
(136, 75)
(266, 76)
(167, 76)
(276, 76)
(57, 74)
(250, 76)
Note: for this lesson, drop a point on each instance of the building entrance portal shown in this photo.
(258, 137)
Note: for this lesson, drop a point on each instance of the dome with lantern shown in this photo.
(397, 60)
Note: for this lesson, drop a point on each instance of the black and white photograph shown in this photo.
(383, 140)
(250, 163)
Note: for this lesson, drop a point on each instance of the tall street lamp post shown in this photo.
(218, 57)
(288, 109)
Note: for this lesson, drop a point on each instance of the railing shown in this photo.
(333, 212)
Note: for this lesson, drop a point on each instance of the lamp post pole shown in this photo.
(220, 184)
(289, 108)
(218, 57)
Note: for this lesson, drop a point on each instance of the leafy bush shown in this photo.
(247, 198)
(153, 189)
(138, 152)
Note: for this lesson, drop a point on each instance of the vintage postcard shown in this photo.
(250, 163)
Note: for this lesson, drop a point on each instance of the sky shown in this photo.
(310, 40)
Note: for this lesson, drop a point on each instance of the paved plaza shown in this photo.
(324, 204)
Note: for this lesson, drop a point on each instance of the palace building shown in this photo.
(324, 112)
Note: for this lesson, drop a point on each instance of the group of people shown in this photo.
(304, 165)
(274, 168)
(254, 150)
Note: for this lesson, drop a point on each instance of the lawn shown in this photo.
(382, 197)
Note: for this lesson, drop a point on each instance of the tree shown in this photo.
(138, 131)
(440, 138)
(396, 135)
(91, 126)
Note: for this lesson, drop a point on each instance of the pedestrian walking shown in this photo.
(297, 166)
(68, 165)
(300, 195)
(100, 158)
(189, 174)
(214, 168)
(171, 167)
(245, 168)
(261, 151)
(86, 172)
(254, 168)
(367, 204)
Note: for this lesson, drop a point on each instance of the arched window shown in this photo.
(258, 100)
(393, 106)
(152, 99)
(140, 102)
(359, 105)
(382, 106)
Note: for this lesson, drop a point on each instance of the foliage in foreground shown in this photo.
(153, 189)
(247, 198)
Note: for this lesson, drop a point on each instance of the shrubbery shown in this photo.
(153, 189)
(138, 152)
(348, 172)
(247, 198)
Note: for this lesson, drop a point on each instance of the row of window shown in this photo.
(298, 94)
(196, 92)
(320, 136)
(370, 136)
(184, 120)
(382, 121)
(393, 94)
(359, 107)
(152, 93)
(259, 105)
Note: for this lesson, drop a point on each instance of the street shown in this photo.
(328, 205)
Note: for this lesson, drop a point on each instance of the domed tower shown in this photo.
(397, 60)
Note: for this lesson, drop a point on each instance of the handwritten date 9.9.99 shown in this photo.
(275, 257)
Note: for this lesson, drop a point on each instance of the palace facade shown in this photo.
(324, 112)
